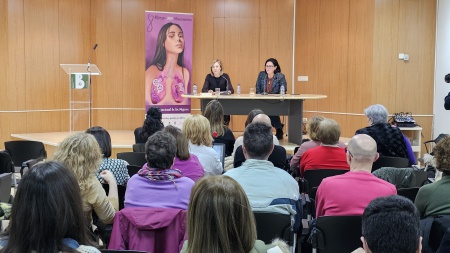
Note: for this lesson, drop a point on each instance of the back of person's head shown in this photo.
(391, 225)
(251, 115)
(81, 153)
(329, 132)
(377, 113)
(214, 113)
(362, 149)
(442, 155)
(197, 129)
(220, 218)
(103, 138)
(258, 141)
(152, 123)
(262, 118)
(47, 208)
(182, 142)
(313, 127)
(160, 150)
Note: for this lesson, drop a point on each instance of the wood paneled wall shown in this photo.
(349, 49)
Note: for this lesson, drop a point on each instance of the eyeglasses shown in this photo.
(350, 153)
(269, 66)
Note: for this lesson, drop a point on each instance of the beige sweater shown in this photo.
(94, 198)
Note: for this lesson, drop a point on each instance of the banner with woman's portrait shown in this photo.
(168, 63)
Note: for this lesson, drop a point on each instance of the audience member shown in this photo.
(220, 219)
(350, 193)
(389, 138)
(391, 225)
(253, 113)
(47, 213)
(268, 188)
(157, 184)
(432, 199)
(118, 167)
(197, 130)
(312, 128)
(329, 155)
(80, 152)
(152, 124)
(187, 163)
(220, 132)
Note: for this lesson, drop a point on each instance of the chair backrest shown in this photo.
(133, 169)
(133, 158)
(6, 163)
(314, 177)
(409, 193)
(270, 226)
(139, 147)
(277, 157)
(421, 178)
(22, 151)
(5, 187)
(387, 161)
(121, 192)
(338, 233)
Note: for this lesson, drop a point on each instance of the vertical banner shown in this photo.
(168, 63)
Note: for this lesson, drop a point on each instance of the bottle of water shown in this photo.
(282, 92)
(194, 89)
(238, 89)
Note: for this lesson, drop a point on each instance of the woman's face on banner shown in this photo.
(174, 40)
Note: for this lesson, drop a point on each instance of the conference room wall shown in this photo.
(41, 34)
(349, 50)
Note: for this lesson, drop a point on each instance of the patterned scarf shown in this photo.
(156, 175)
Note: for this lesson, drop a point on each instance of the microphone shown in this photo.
(89, 59)
(447, 78)
(228, 92)
(265, 85)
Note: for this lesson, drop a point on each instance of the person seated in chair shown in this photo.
(349, 193)
(391, 225)
(329, 155)
(157, 184)
(389, 138)
(432, 199)
(268, 188)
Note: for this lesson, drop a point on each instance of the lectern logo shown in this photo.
(79, 81)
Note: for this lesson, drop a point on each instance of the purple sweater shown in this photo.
(191, 168)
(143, 192)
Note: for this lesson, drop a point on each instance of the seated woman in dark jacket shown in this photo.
(221, 133)
(389, 138)
(152, 124)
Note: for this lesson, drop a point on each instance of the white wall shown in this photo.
(441, 88)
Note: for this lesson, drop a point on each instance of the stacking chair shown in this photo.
(6, 166)
(270, 226)
(337, 234)
(133, 158)
(133, 169)
(121, 192)
(421, 178)
(387, 161)
(139, 147)
(409, 193)
(22, 151)
(5, 187)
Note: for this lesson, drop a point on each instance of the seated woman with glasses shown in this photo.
(269, 82)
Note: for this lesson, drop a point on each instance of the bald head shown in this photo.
(363, 148)
(262, 118)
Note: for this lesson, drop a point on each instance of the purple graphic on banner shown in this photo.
(168, 60)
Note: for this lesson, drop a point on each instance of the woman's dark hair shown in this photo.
(275, 64)
(182, 142)
(251, 115)
(152, 123)
(47, 208)
(159, 60)
(103, 138)
(160, 150)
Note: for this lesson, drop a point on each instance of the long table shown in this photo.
(272, 104)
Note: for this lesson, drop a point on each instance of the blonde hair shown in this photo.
(214, 113)
(220, 64)
(81, 153)
(313, 127)
(220, 218)
(197, 129)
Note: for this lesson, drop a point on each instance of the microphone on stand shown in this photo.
(89, 59)
(227, 91)
(265, 85)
